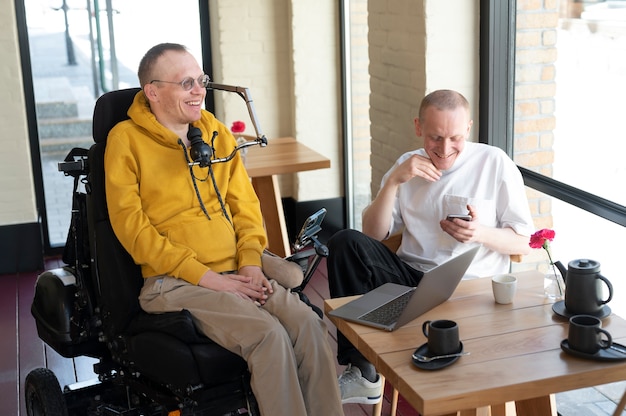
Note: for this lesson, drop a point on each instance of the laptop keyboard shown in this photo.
(389, 313)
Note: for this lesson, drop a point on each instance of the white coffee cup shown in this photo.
(504, 287)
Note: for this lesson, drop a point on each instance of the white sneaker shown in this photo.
(357, 389)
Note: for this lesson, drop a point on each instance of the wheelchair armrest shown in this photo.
(177, 324)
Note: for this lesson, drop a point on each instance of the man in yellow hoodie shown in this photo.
(198, 235)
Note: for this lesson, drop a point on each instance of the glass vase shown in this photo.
(553, 283)
(242, 151)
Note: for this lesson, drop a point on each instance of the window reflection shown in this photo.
(76, 55)
(589, 141)
(570, 77)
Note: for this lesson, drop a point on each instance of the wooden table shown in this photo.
(280, 156)
(515, 354)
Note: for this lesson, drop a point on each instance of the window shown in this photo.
(570, 77)
(554, 74)
(78, 52)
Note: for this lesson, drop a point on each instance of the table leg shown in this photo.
(620, 406)
(504, 409)
(268, 192)
(537, 406)
(378, 407)
(498, 410)
(394, 402)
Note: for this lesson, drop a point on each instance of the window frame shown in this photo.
(496, 107)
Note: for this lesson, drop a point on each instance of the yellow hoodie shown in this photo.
(154, 209)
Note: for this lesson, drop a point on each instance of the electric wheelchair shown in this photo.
(147, 364)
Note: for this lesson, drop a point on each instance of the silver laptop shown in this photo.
(392, 305)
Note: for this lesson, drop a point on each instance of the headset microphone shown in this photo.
(200, 151)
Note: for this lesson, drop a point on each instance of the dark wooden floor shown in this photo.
(21, 350)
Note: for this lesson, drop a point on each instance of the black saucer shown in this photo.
(435, 364)
(559, 309)
(607, 354)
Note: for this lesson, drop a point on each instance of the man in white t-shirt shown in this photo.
(449, 176)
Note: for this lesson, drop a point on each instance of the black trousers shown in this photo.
(356, 265)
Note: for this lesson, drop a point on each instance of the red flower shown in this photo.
(541, 238)
(238, 127)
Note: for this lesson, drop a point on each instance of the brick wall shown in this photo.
(535, 90)
(413, 51)
(295, 90)
(397, 51)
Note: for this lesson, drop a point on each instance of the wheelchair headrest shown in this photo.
(110, 109)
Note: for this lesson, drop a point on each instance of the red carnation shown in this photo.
(238, 127)
(541, 238)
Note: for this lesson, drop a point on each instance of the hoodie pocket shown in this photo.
(213, 240)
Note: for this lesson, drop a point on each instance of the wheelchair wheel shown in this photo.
(43, 394)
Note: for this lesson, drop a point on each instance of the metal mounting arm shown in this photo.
(244, 93)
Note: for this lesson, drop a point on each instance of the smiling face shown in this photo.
(174, 107)
(444, 132)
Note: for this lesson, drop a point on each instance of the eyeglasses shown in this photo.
(188, 83)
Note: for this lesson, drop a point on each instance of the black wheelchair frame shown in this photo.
(72, 319)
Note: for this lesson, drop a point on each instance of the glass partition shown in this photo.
(80, 49)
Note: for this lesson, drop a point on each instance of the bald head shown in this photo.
(443, 100)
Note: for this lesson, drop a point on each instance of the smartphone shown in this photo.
(460, 216)
(311, 227)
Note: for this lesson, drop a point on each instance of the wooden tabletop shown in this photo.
(280, 156)
(283, 155)
(515, 353)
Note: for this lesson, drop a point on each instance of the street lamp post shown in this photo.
(71, 58)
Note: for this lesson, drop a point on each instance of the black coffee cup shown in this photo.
(585, 334)
(443, 336)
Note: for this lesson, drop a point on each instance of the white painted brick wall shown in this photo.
(416, 46)
(317, 91)
(17, 196)
(295, 90)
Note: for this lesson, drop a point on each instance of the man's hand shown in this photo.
(415, 166)
(503, 240)
(376, 217)
(461, 230)
(258, 279)
(249, 283)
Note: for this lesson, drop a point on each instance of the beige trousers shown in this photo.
(284, 342)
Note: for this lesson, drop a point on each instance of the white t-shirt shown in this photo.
(482, 176)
